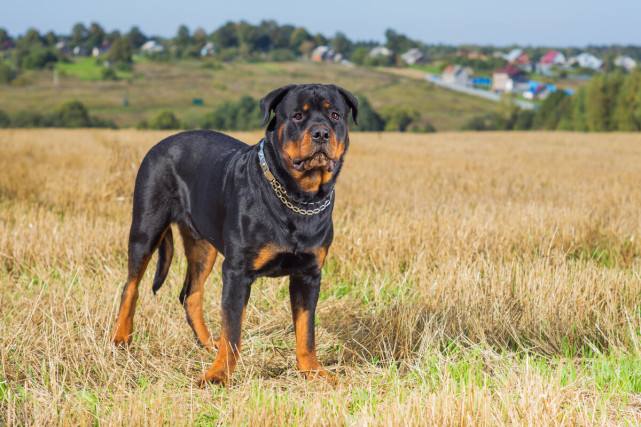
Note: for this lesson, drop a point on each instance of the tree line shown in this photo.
(608, 102)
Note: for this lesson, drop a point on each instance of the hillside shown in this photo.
(157, 86)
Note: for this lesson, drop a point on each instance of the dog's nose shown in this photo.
(320, 133)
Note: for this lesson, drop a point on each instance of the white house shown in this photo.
(380, 51)
(625, 62)
(322, 54)
(151, 47)
(457, 75)
(207, 50)
(587, 60)
(412, 56)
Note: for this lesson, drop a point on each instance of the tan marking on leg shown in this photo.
(125, 321)
(201, 256)
(320, 253)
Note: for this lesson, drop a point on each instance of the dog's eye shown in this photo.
(298, 117)
(335, 116)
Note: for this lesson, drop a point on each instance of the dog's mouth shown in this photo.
(318, 160)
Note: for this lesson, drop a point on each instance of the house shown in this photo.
(79, 51)
(323, 54)
(413, 56)
(508, 79)
(587, 60)
(151, 47)
(625, 62)
(539, 90)
(380, 51)
(207, 49)
(520, 59)
(457, 75)
(481, 82)
(549, 61)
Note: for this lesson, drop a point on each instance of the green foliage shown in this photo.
(485, 122)
(554, 108)
(7, 73)
(243, 114)
(368, 119)
(109, 74)
(72, 114)
(627, 116)
(601, 97)
(165, 120)
(5, 120)
(120, 54)
(399, 119)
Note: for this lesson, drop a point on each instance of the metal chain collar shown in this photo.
(282, 195)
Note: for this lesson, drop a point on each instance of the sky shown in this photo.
(498, 22)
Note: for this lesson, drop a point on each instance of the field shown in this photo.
(475, 279)
(158, 86)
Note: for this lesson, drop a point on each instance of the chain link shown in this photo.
(282, 195)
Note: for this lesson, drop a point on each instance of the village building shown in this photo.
(457, 75)
(379, 51)
(151, 47)
(508, 79)
(552, 59)
(587, 60)
(413, 56)
(625, 62)
(323, 54)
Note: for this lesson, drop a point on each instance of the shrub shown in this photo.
(109, 73)
(485, 122)
(72, 114)
(165, 120)
(5, 120)
(399, 119)
(7, 73)
(243, 114)
(368, 119)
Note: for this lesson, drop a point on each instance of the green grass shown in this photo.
(158, 86)
(86, 69)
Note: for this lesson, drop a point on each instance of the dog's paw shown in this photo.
(121, 340)
(321, 374)
(217, 377)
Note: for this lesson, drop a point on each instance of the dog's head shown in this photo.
(309, 130)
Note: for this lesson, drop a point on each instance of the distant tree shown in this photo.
(298, 37)
(72, 114)
(368, 119)
(524, 120)
(226, 36)
(485, 122)
(554, 108)
(627, 115)
(579, 111)
(243, 114)
(183, 37)
(136, 37)
(341, 44)
(79, 34)
(359, 55)
(120, 54)
(199, 37)
(50, 39)
(96, 36)
(601, 98)
(398, 43)
(165, 120)
(4, 37)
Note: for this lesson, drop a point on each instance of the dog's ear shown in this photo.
(271, 100)
(351, 101)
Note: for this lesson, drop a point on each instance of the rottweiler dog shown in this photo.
(266, 207)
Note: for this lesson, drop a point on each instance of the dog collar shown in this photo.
(297, 206)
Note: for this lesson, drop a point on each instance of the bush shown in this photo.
(5, 120)
(398, 119)
(243, 114)
(485, 122)
(7, 73)
(109, 73)
(165, 120)
(72, 114)
(368, 119)
(29, 119)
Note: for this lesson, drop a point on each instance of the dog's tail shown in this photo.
(165, 255)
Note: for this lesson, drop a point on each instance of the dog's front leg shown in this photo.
(303, 294)
(236, 289)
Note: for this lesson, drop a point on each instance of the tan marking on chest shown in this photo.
(266, 254)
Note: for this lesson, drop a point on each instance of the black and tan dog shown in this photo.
(267, 208)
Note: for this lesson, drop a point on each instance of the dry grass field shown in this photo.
(475, 279)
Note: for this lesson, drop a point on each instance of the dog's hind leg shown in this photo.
(147, 231)
(201, 256)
